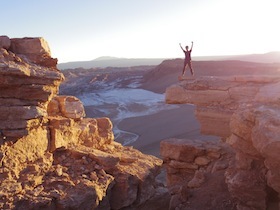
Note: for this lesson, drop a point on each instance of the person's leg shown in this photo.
(184, 68)
(190, 65)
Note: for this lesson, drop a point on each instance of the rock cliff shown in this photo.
(51, 156)
(244, 111)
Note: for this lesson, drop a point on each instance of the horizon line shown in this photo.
(163, 58)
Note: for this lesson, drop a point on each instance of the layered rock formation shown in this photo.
(195, 173)
(244, 111)
(25, 88)
(218, 97)
(51, 157)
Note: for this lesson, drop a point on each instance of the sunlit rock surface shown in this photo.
(51, 156)
(244, 111)
(216, 98)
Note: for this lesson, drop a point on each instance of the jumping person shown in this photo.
(188, 59)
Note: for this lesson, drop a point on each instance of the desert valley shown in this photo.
(133, 97)
(137, 137)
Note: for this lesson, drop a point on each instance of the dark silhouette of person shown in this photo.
(188, 59)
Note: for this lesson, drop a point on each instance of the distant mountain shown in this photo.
(108, 61)
(270, 57)
(105, 58)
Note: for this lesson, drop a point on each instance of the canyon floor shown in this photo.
(133, 98)
(140, 116)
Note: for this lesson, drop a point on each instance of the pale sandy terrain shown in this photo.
(174, 123)
(151, 129)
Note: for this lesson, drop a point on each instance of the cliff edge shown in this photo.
(51, 156)
(244, 112)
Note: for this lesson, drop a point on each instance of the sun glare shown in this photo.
(236, 27)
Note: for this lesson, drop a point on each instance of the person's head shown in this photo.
(187, 47)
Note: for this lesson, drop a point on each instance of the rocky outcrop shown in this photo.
(5, 42)
(35, 50)
(25, 89)
(195, 173)
(51, 156)
(217, 98)
(66, 106)
(243, 110)
(255, 139)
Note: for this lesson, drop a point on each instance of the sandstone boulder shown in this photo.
(134, 183)
(27, 46)
(34, 49)
(90, 132)
(5, 42)
(66, 106)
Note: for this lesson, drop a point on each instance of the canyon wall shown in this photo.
(244, 112)
(51, 156)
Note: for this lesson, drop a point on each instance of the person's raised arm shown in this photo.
(192, 46)
(181, 47)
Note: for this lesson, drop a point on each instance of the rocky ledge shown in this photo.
(244, 111)
(51, 156)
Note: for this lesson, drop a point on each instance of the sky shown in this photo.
(83, 30)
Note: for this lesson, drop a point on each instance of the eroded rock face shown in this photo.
(255, 134)
(244, 110)
(66, 106)
(195, 173)
(25, 91)
(217, 98)
(51, 156)
(34, 49)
